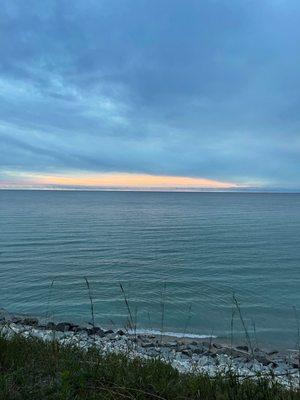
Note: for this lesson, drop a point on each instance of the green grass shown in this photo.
(31, 369)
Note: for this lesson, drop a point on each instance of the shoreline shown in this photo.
(206, 355)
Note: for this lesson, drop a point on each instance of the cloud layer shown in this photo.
(204, 89)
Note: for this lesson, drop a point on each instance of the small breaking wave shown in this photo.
(171, 334)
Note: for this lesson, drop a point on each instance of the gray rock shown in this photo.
(109, 332)
(263, 359)
(206, 345)
(273, 352)
(280, 369)
(171, 344)
(16, 320)
(194, 348)
(56, 335)
(187, 352)
(273, 364)
(96, 331)
(147, 345)
(50, 326)
(198, 350)
(230, 352)
(120, 332)
(151, 352)
(5, 315)
(165, 353)
(243, 348)
(62, 326)
(30, 321)
(75, 328)
(41, 327)
(242, 360)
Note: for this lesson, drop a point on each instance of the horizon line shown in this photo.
(158, 190)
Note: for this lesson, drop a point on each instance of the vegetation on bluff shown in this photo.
(31, 369)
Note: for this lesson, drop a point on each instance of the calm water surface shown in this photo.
(202, 247)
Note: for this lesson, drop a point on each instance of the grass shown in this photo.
(34, 370)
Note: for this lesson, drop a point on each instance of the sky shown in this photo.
(159, 94)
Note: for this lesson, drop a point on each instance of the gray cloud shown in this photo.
(208, 89)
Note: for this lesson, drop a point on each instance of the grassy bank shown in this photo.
(31, 369)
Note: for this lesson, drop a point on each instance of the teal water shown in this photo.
(191, 249)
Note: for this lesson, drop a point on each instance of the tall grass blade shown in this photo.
(244, 325)
(130, 318)
(91, 301)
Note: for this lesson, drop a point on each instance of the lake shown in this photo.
(179, 256)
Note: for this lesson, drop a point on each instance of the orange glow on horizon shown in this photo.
(126, 180)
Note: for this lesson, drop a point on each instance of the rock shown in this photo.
(231, 352)
(273, 364)
(198, 350)
(109, 332)
(30, 321)
(281, 369)
(263, 359)
(120, 332)
(193, 347)
(50, 326)
(74, 327)
(96, 331)
(16, 320)
(171, 344)
(187, 353)
(151, 352)
(273, 352)
(165, 353)
(256, 367)
(257, 350)
(244, 348)
(38, 334)
(206, 345)
(147, 345)
(58, 335)
(4, 315)
(63, 326)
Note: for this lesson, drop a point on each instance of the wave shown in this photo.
(172, 334)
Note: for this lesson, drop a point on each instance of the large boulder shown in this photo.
(63, 326)
(96, 330)
(243, 348)
(262, 358)
(50, 326)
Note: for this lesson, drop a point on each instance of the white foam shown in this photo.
(172, 334)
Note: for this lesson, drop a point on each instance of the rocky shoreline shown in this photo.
(185, 354)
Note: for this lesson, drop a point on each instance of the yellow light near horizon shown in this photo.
(126, 180)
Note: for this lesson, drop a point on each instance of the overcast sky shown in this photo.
(206, 89)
